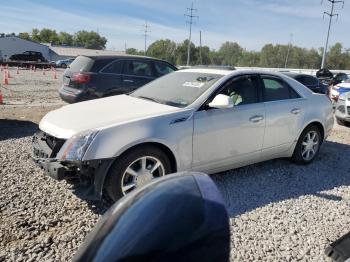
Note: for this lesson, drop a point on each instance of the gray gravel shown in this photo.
(279, 211)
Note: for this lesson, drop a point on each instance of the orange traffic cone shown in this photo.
(5, 80)
(1, 98)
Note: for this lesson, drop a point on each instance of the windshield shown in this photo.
(177, 89)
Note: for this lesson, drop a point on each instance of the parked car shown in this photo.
(29, 56)
(340, 78)
(311, 82)
(90, 77)
(64, 63)
(342, 108)
(339, 89)
(191, 224)
(196, 119)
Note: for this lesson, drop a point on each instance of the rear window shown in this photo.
(81, 64)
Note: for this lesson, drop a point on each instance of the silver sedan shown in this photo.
(197, 119)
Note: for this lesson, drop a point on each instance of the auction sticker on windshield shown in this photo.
(193, 84)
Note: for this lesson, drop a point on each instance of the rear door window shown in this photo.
(276, 89)
(163, 68)
(114, 68)
(138, 68)
(309, 81)
(81, 64)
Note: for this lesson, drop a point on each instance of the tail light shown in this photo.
(80, 78)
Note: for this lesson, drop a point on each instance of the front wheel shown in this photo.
(308, 145)
(135, 169)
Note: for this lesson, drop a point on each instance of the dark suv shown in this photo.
(311, 82)
(29, 56)
(90, 77)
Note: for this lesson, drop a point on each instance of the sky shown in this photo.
(251, 23)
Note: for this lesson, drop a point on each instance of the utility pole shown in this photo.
(146, 31)
(200, 47)
(190, 15)
(331, 14)
(289, 47)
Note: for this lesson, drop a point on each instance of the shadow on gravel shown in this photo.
(10, 129)
(255, 186)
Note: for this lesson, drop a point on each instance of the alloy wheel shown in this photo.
(310, 145)
(140, 172)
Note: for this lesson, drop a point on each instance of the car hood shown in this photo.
(99, 113)
(343, 85)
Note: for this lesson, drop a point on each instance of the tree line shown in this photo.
(232, 54)
(86, 39)
(229, 53)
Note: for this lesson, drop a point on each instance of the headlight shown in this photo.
(342, 97)
(75, 147)
(334, 92)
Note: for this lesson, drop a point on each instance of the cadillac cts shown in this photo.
(197, 119)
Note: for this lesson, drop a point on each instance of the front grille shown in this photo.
(341, 109)
(46, 146)
(54, 143)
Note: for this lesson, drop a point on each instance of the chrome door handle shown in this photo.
(295, 111)
(128, 81)
(256, 119)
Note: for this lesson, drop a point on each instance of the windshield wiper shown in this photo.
(150, 99)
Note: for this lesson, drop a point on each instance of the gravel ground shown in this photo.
(279, 211)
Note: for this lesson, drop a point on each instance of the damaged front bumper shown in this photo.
(90, 175)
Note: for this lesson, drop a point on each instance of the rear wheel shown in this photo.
(308, 145)
(135, 169)
(63, 65)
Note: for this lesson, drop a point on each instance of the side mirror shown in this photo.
(221, 101)
(179, 217)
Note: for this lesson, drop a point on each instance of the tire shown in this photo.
(63, 65)
(118, 176)
(300, 155)
(340, 122)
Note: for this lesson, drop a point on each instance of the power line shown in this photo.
(146, 31)
(331, 14)
(190, 22)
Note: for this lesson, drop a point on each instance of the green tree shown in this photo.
(24, 36)
(133, 51)
(65, 38)
(48, 36)
(181, 53)
(91, 40)
(335, 58)
(230, 53)
(35, 35)
(163, 49)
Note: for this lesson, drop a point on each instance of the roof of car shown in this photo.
(293, 74)
(99, 57)
(230, 72)
(208, 71)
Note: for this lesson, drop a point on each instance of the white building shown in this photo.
(63, 52)
(11, 45)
